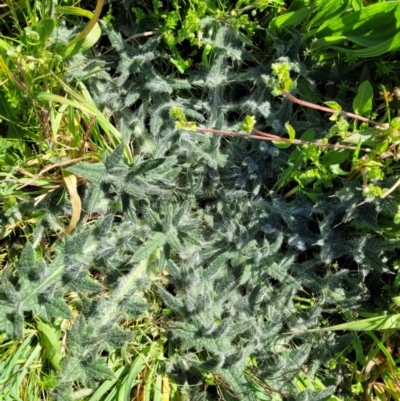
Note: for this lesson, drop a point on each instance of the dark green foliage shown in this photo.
(196, 208)
(235, 264)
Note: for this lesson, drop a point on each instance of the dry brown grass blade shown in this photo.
(71, 183)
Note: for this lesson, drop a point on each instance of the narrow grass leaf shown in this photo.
(374, 323)
(383, 349)
(158, 389)
(356, 343)
(107, 385)
(137, 366)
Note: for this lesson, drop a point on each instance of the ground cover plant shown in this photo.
(199, 267)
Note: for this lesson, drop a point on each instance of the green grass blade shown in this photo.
(374, 323)
(107, 385)
(137, 366)
(157, 389)
(382, 348)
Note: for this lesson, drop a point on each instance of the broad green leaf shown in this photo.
(362, 103)
(50, 339)
(147, 166)
(327, 10)
(308, 92)
(44, 28)
(216, 266)
(4, 45)
(357, 5)
(335, 168)
(290, 19)
(335, 157)
(93, 172)
(295, 160)
(363, 28)
(369, 136)
(364, 25)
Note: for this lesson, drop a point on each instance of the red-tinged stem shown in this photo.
(328, 110)
(263, 136)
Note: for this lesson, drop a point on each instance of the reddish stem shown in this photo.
(328, 110)
(263, 136)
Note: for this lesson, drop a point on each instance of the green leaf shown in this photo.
(158, 388)
(307, 91)
(84, 44)
(361, 28)
(107, 385)
(335, 168)
(9, 115)
(284, 144)
(335, 157)
(147, 166)
(327, 10)
(27, 261)
(358, 348)
(362, 103)
(157, 241)
(98, 369)
(44, 28)
(374, 323)
(133, 377)
(396, 283)
(58, 308)
(290, 19)
(93, 172)
(50, 339)
(333, 105)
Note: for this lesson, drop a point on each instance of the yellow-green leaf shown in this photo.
(50, 339)
(285, 144)
(84, 44)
